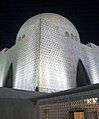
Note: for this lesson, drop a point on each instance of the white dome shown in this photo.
(56, 19)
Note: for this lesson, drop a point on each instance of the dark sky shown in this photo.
(84, 14)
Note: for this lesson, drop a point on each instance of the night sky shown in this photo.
(83, 14)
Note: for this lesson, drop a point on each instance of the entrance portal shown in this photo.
(77, 115)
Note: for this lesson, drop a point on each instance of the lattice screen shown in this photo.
(62, 110)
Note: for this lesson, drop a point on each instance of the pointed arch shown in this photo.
(82, 77)
(9, 78)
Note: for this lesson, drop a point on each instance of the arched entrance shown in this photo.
(9, 78)
(82, 77)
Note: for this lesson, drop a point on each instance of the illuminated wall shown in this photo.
(46, 55)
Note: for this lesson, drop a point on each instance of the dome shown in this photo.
(56, 19)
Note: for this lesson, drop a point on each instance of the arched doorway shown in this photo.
(9, 78)
(82, 77)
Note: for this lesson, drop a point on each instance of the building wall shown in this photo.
(3, 67)
(17, 109)
(24, 58)
(55, 58)
(63, 110)
(27, 63)
(59, 55)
